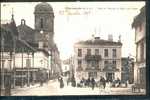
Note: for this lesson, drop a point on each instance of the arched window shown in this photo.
(41, 22)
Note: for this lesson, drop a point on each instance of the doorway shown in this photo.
(109, 76)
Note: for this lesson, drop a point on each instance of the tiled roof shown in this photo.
(43, 50)
(99, 42)
(8, 38)
(11, 26)
(26, 33)
(8, 31)
(35, 45)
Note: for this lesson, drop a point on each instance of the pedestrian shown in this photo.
(82, 82)
(92, 83)
(104, 82)
(61, 82)
(118, 82)
(73, 81)
(88, 82)
(68, 80)
(127, 82)
(7, 84)
(41, 78)
(59, 78)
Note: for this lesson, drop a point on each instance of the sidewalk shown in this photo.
(26, 87)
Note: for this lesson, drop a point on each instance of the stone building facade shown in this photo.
(44, 25)
(127, 69)
(42, 37)
(12, 45)
(139, 24)
(98, 57)
(29, 55)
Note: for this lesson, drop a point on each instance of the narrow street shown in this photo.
(52, 88)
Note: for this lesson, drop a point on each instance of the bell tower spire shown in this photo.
(12, 14)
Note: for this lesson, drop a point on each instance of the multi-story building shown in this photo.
(28, 52)
(42, 36)
(139, 24)
(11, 45)
(68, 65)
(125, 69)
(56, 62)
(98, 57)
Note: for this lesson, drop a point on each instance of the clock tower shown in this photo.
(44, 25)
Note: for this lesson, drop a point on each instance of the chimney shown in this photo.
(97, 38)
(93, 37)
(119, 38)
(23, 22)
(110, 37)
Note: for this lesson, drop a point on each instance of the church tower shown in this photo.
(44, 25)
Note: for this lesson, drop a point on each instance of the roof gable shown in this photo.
(26, 33)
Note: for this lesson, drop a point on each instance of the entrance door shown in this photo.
(109, 76)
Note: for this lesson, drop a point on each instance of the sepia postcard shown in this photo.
(73, 48)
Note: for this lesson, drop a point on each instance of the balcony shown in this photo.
(93, 57)
(112, 69)
(79, 69)
(93, 69)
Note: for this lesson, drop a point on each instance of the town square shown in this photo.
(73, 48)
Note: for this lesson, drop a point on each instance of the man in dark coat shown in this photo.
(103, 82)
(92, 83)
(88, 82)
(41, 78)
(61, 82)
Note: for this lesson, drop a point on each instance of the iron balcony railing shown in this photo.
(93, 57)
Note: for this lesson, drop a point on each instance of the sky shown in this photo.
(72, 25)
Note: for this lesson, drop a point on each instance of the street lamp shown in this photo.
(41, 31)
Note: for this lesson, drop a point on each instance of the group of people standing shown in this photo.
(69, 80)
(90, 82)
